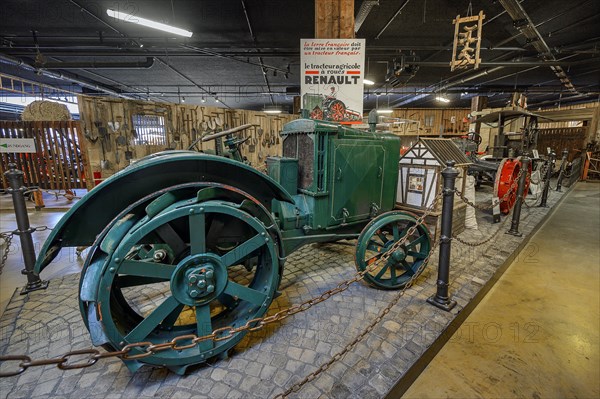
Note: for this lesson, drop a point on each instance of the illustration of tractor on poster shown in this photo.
(328, 107)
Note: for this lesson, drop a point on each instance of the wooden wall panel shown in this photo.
(59, 163)
(431, 121)
(183, 124)
(558, 139)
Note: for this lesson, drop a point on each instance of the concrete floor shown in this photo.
(11, 276)
(536, 333)
(46, 323)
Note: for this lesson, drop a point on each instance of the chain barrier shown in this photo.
(495, 202)
(220, 334)
(512, 188)
(68, 194)
(7, 238)
(310, 377)
(569, 175)
(7, 241)
(479, 243)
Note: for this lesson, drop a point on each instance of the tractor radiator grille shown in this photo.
(301, 147)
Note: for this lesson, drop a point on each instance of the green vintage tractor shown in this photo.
(186, 243)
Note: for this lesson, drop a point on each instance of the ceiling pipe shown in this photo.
(398, 12)
(363, 13)
(61, 76)
(182, 75)
(98, 65)
(445, 86)
(260, 59)
(103, 22)
(201, 52)
(520, 16)
(552, 18)
(577, 97)
(524, 64)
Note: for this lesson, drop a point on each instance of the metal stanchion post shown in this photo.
(441, 298)
(563, 166)
(24, 230)
(516, 216)
(547, 180)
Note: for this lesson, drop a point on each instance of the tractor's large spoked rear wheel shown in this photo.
(506, 183)
(190, 269)
(379, 236)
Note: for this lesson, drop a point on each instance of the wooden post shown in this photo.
(477, 104)
(593, 132)
(334, 19)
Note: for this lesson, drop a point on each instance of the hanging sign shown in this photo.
(467, 42)
(332, 72)
(17, 145)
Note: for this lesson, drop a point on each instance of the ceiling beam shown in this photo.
(523, 22)
(97, 65)
(62, 76)
(334, 19)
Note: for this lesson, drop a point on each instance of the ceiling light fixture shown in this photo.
(385, 111)
(442, 98)
(368, 82)
(271, 110)
(203, 100)
(146, 22)
(217, 99)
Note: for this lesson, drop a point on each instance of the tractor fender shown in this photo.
(89, 216)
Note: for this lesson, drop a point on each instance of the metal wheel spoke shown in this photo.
(382, 236)
(405, 230)
(197, 233)
(374, 246)
(238, 253)
(170, 320)
(133, 281)
(245, 293)
(419, 240)
(417, 255)
(382, 271)
(171, 238)
(151, 321)
(204, 326)
(396, 232)
(407, 267)
(146, 269)
(392, 275)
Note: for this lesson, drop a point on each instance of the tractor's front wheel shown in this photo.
(379, 236)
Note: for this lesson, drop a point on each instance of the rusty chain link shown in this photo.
(479, 243)
(310, 377)
(148, 348)
(512, 187)
(7, 237)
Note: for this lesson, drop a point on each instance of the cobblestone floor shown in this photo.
(265, 363)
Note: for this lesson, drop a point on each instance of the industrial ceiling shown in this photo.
(245, 54)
